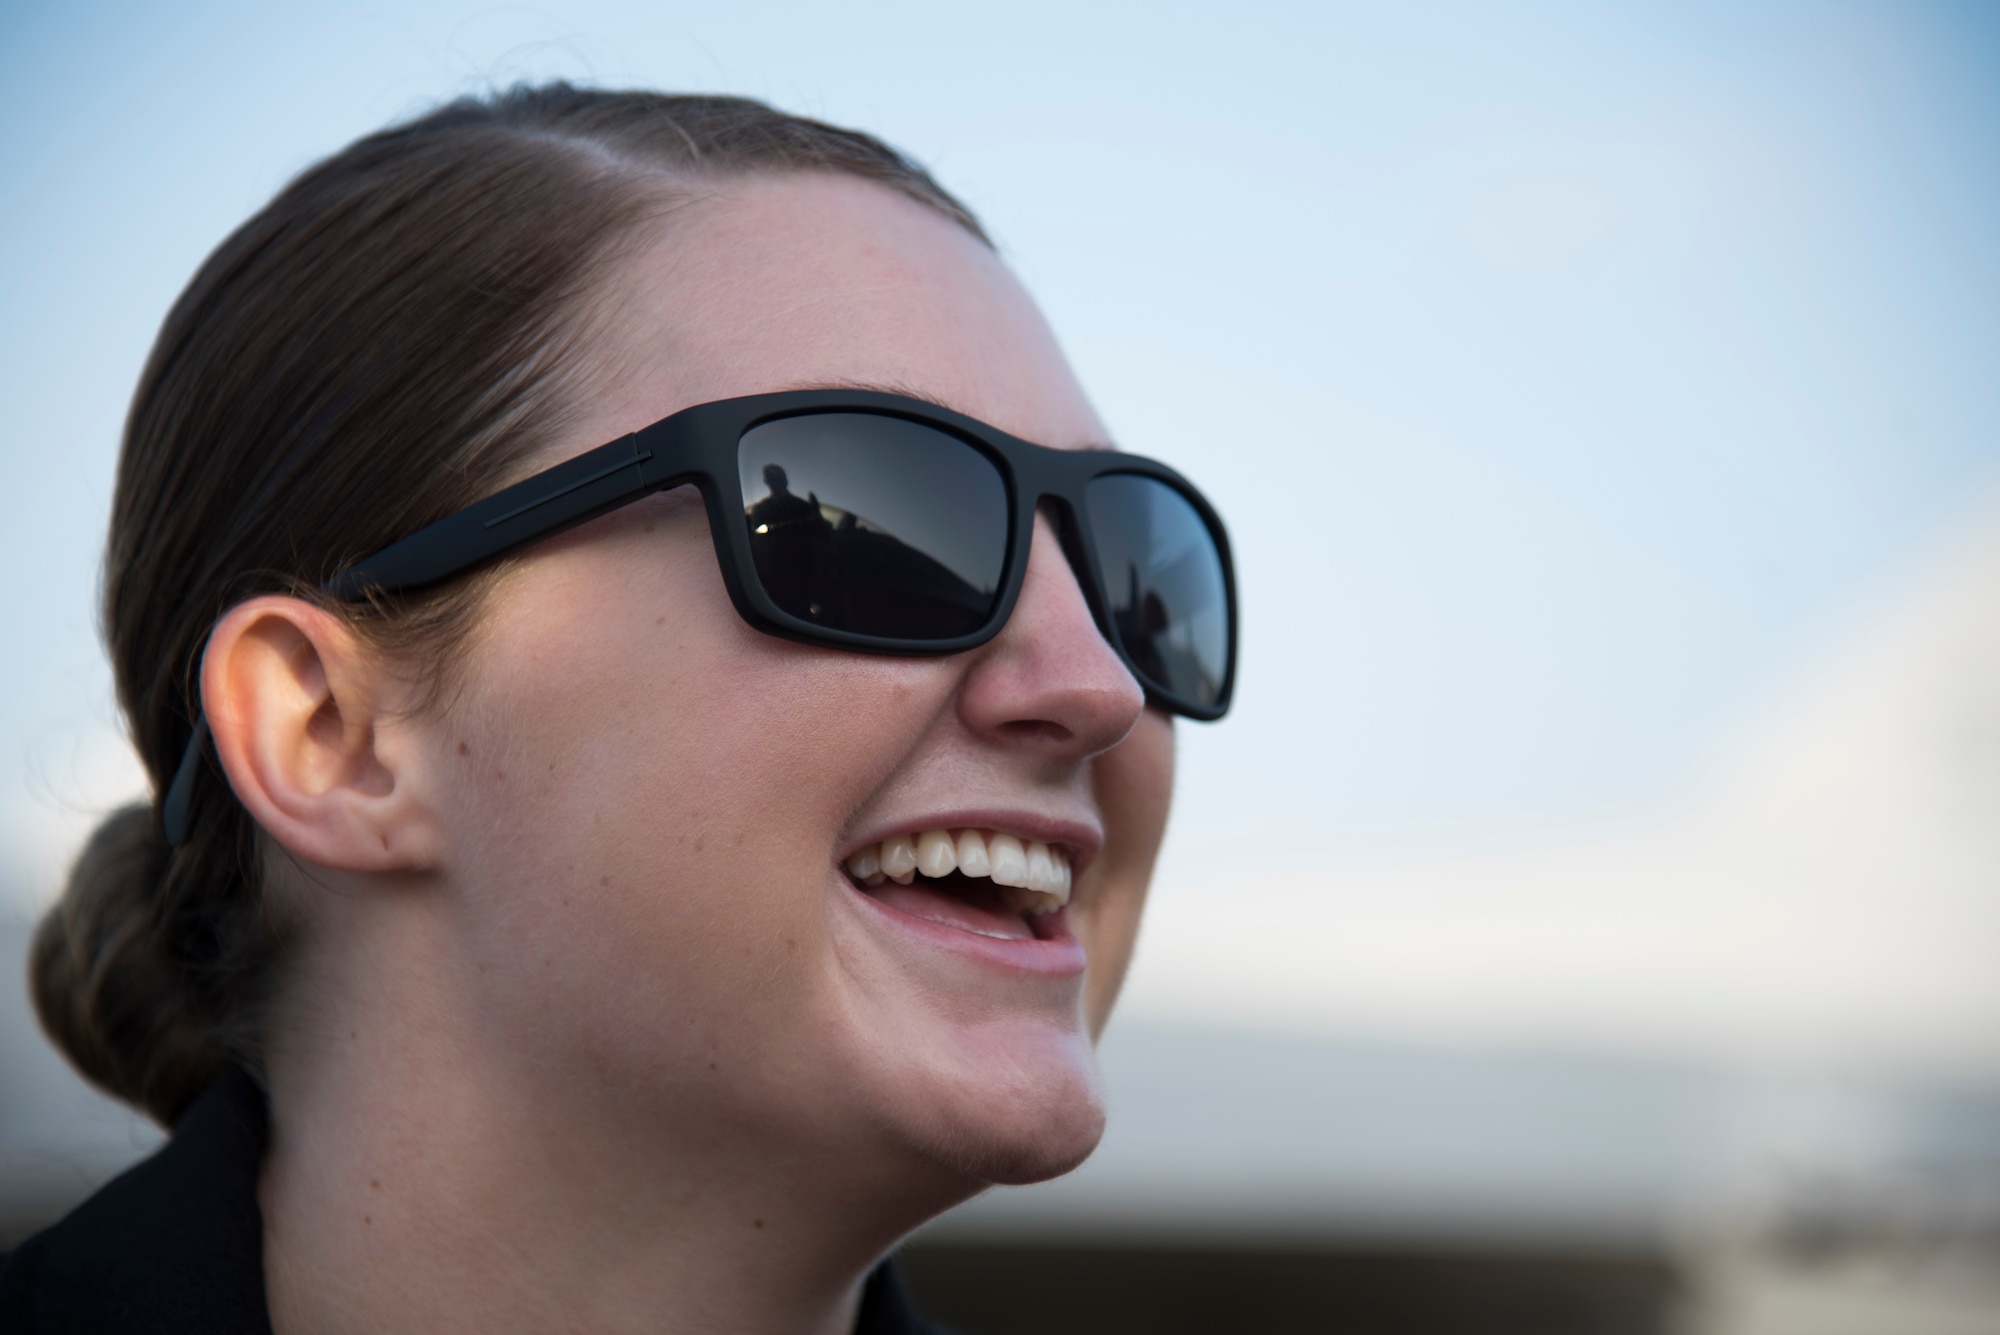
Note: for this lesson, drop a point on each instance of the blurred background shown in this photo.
(1589, 919)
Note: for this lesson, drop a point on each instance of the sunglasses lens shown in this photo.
(874, 525)
(1163, 578)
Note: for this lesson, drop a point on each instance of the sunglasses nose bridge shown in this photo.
(1066, 520)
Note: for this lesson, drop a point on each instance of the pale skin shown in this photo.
(588, 1030)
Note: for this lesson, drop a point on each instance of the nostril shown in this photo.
(1037, 730)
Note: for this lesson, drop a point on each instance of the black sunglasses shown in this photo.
(870, 521)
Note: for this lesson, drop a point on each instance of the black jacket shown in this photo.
(177, 1243)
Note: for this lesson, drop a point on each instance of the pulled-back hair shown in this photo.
(385, 342)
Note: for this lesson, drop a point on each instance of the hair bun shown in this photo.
(105, 982)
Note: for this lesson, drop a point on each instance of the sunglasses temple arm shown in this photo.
(180, 792)
(562, 497)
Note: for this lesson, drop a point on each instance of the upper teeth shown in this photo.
(1038, 873)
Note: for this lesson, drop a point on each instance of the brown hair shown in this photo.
(377, 348)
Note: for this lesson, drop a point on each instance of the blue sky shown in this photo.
(1571, 374)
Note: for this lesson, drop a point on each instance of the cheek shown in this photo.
(648, 801)
(1133, 784)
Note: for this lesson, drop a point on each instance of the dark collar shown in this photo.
(176, 1244)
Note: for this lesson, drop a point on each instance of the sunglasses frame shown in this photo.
(698, 446)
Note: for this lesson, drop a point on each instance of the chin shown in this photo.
(1014, 1117)
(1020, 1163)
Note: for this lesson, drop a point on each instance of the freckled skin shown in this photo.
(716, 1029)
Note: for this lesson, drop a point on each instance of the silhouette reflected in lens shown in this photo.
(1163, 578)
(874, 524)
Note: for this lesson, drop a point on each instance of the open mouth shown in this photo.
(982, 881)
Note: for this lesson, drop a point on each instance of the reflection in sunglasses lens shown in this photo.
(873, 524)
(1163, 579)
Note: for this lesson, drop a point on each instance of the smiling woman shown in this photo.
(609, 885)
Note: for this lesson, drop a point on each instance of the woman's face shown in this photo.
(647, 804)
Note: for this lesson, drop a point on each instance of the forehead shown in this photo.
(770, 283)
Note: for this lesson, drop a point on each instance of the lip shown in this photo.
(1055, 955)
(1080, 840)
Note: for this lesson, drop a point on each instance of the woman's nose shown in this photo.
(1049, 680)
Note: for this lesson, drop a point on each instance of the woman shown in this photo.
(609, 886)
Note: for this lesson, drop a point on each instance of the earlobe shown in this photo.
(296, 705)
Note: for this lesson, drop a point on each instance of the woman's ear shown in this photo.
(298, 707)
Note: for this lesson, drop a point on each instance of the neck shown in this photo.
(423, 1178)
